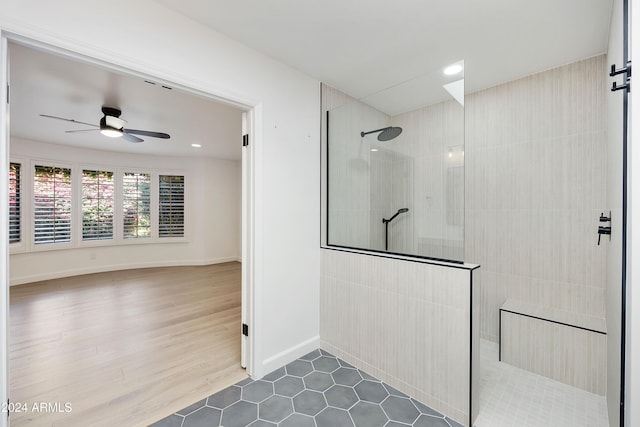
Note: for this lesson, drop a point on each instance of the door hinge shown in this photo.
(245, 140)
(245, 329)
(8, 411)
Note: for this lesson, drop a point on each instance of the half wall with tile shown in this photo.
(409, 323)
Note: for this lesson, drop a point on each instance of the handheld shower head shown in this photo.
(386, 134)
(400, 211)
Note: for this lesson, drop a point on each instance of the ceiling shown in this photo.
(363, 47)
(44, 83)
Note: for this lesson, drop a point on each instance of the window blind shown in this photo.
(97, 205)
(15, 205)
(136, 204)
(52, 204)
(171, 206)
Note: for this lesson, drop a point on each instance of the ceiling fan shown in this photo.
(112, 125)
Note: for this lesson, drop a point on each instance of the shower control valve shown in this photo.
(602, 229)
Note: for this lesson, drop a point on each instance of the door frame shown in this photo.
(252, 124)
(632, 406)
(4, 230)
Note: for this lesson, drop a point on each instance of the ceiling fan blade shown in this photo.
(131, 138)
(147, 133)
(80, 130)
(67, 120)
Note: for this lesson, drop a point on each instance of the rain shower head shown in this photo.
(386, 134)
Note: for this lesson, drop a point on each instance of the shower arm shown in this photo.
(362, 134)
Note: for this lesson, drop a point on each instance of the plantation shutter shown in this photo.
(52, 204)
(171, 209)
(97, 205)
(15, 203)
(136, 204)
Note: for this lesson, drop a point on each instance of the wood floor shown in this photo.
(124, 348)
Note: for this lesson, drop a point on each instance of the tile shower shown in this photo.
(535, 175)
(535, 188)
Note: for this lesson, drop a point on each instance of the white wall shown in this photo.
(151, 39)
(212, 216)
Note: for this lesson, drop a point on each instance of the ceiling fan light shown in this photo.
(111, 133)
(108, 130)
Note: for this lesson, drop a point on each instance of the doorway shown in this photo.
(247, 127)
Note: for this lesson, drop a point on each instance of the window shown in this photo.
(136, 204)
(15, 206)
(97, 205)
(52, 204)
(171, 209)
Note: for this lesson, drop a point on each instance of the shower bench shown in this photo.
(566, 346)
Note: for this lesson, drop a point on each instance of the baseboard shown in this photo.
(289, 355)
(114, 267)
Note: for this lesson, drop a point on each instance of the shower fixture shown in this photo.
(386, 224)
(386, 134)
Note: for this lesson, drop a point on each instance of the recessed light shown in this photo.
(453, 69)
(374, 149)
(196, 145)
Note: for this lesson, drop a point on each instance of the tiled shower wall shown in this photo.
(407, 323)
(536, 161)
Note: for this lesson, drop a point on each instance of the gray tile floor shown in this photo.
(317, 390)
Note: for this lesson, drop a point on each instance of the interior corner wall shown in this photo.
(614, 201)
(156, 41)
(211, 193)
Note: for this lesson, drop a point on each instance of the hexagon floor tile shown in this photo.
(316, 390)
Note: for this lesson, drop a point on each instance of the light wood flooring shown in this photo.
(124, 348)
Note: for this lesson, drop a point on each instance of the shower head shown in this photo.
(389, 133)
(400, 211)
(386, 134)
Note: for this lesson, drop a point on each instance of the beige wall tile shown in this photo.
(407, 321)
(535, 176)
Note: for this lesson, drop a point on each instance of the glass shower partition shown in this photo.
(395, 169)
